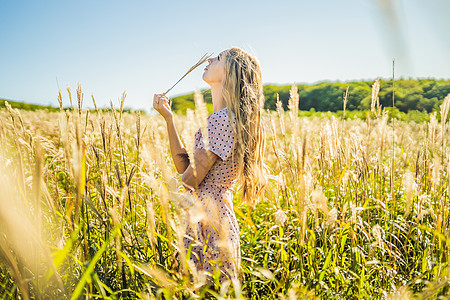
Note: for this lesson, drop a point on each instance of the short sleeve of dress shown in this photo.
(220, 135)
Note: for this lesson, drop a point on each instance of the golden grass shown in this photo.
(92, 205)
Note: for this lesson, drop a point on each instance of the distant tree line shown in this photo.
(26, 106)
(424, 95)
(34, 107)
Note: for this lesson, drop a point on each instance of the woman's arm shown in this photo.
(204, 160)
(179, 154)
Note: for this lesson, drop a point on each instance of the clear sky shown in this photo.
(143, 47)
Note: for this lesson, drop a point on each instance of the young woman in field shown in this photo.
(230, 152)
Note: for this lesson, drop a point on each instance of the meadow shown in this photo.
(91, 206)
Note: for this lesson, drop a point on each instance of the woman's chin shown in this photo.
(211, 81)
(205, 78)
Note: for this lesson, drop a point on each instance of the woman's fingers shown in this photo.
(161, 104)
(156, 97)
(159, 97)
(155, 101)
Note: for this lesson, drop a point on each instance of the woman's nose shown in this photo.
(210, 60)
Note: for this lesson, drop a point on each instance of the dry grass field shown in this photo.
(91, 206)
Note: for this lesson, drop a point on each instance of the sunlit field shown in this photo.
(91, 206)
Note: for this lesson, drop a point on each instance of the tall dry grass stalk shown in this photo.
(188, 136)
(23, 246)
(280, 112)
(445, 107)
(375, 106)
(393, 161)
(293, 103)
(432, 129)
(410, 191)
(345, 100)
(201, 114)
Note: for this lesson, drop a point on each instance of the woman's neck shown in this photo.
(217, 97)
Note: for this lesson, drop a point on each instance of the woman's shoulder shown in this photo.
(220, 134)
(220, 113)
(220, 116)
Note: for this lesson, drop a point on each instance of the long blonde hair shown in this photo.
(244, 97)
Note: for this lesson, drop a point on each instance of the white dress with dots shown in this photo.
(215, 239)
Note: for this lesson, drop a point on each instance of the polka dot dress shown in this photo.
(214, 241)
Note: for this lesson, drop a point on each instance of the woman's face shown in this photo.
(215, 70)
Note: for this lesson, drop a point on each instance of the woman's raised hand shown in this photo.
(161, 105)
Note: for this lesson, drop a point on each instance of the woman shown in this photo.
(231, 151)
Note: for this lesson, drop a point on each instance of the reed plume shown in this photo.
(375, 104)
(445, 106)
(280, 112)
(201, 113)
(188, 136)
(345, 102)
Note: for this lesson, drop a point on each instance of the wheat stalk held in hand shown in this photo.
(201, 61)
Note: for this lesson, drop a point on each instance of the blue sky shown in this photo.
(143, 47)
